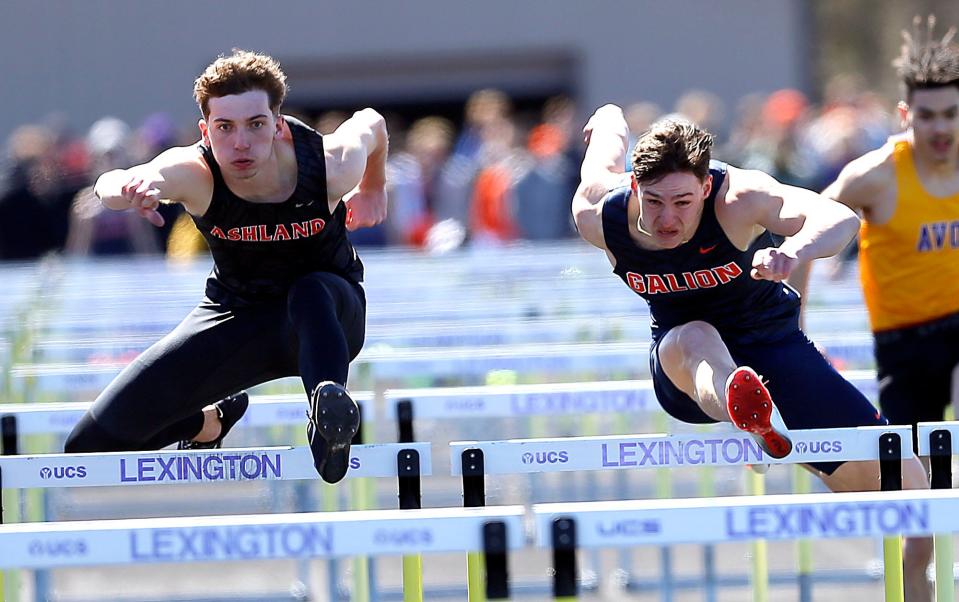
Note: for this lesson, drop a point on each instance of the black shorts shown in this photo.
(914, 367)
(806, 389)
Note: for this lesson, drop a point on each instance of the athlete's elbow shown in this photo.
(108, 189)
(848, 225)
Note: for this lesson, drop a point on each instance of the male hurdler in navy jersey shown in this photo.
(693, 238)
(273, 199)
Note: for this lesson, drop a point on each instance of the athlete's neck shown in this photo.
(274, 180)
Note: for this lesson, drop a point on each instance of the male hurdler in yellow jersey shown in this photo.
(908, 194)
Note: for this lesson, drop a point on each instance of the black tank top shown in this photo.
(260, 249)
(706, 278)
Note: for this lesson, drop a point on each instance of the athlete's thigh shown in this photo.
(808, 392)
(806, 389)
(671, 398)
(213, 352)
(349, 304)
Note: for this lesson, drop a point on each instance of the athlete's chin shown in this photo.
(668, 240)
(244, 173)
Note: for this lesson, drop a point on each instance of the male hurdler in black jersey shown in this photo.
(273, 199)
(693, 238)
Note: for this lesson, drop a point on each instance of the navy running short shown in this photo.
(806, 389)
(914, 367)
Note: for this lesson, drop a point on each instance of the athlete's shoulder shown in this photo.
(877, 167)
(868, 179)
(741, 184)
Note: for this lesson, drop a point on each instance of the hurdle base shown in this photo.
(784, 578)
(517, 589)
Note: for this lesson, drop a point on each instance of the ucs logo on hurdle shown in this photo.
(63, 472)
(58, 548)
(546, 457)
(819, 447)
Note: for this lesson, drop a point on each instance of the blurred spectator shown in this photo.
(412, 174)
(329, 121)
(485, 111)
(32, 190)
(94, 230)
(543, 191)
(492, 210)
(705, 109)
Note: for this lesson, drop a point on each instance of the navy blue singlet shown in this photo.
(706, 278)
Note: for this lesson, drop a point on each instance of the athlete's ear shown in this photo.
(204, 131)
(707, 185)
(633, 183)
(279, 125)
(903, 109)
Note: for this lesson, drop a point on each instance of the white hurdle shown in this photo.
(566, 527)
(493, 530)
(475, 460)
(197, 466)
(727, 447)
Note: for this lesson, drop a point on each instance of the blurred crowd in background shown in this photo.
(497, 176)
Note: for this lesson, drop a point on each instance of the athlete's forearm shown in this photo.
(606, 152)
(374, 177)
(109, 189)
(823, 234)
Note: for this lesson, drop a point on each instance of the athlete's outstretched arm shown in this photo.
(606, 135)
(356, 167)
(177, 175)
(861, 185)
(814, 226)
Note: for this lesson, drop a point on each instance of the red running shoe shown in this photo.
(752, 410)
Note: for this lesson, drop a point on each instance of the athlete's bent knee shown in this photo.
(686, 339)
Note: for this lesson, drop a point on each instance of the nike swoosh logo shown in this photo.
(704, 250)
(306, 204)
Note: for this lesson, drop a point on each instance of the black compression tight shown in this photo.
(215, 351)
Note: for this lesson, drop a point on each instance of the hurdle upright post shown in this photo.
(563, 533)
(940, 469)
(8, 447)
(408, 475)
(474, 496)
(364, 573)
(495, 554)
(404, 421)
(890, 479)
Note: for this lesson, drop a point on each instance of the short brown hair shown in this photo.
(672, 145)
(924, 62)
(237, 73)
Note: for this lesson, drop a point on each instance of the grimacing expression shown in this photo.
(240, 129)
(671, 207)
(933, 114)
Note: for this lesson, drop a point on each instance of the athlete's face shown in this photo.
(240, 130)
(934, 118)
(671, 207)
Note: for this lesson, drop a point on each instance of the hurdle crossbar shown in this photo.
(195, 466)
(729, 448)
(574, 398)
(254, 537)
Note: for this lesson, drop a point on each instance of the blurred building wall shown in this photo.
(88, 58)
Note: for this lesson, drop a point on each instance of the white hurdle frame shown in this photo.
(193, 466)
(887, 514)
(512, 456)
(254, 537)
